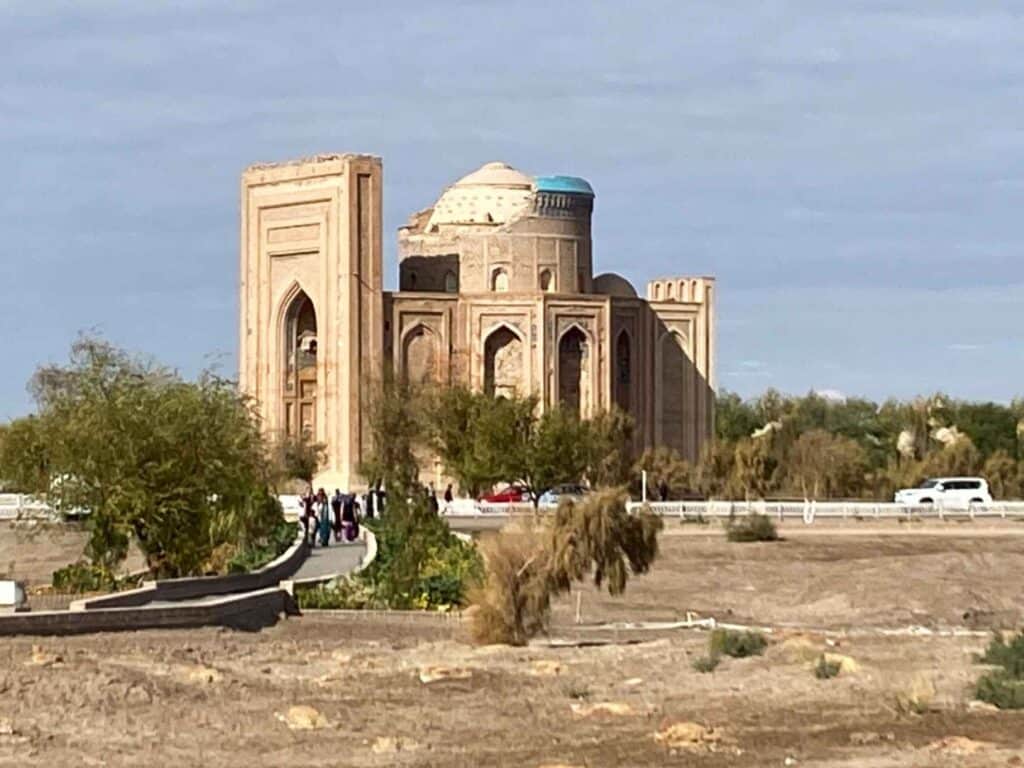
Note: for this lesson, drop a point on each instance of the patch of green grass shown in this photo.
(753, 527)
(739, 645)
(1003, 687)
(825, 669)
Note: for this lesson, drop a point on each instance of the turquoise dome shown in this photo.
(572, 185)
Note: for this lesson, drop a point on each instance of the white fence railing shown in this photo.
(807, 511)
(18, 506)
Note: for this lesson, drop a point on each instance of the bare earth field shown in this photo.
(222, 698)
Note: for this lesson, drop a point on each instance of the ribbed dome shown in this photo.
(492, 194)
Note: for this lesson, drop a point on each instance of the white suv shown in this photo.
(947, 491)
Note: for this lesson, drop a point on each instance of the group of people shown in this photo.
(319, 523)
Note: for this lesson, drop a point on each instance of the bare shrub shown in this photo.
(526, 568)
(739, 645)
(514, 602)
(706, 663)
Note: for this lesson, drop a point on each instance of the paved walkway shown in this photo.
(334, 559)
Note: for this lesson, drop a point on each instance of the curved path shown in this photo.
(336, 559)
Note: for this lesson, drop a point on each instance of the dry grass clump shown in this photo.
(527, 567)
(514, 601)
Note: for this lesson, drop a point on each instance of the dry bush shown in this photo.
(514, 602)
(599, 536)
(526, 567)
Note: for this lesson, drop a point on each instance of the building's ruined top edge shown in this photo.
(311, 160)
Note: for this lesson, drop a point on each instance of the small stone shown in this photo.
(303, 718)
(687, 735)
(546, 668)
(613, 708)
(846, 664)
(789, 760)
(633, 682)
(977, 705)
(42, 658)
(7, 727)
(435, 674)
(389, 745)
(202, 675)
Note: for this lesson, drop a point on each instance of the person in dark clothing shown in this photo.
(432, 499)
(663, 490)
(348, 518)
(448, 496)
(308, 515)
(371, 498)
(336, 501)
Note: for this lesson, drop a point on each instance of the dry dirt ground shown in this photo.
(222, 698)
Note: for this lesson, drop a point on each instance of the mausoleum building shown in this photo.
(496, 290)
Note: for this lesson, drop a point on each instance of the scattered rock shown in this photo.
(981, 706)
(7, 728)
(303, 718)
(689, 736)
(790, 760)
(632, 682)
(435, 674)
(614, 708)
(958, 745)
(862, 738)
(138, 695)
(389, 745)
(201, 675)
(546, 668)
(341, 657)
(42, 658)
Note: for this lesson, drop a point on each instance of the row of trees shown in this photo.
(813, 447)
(482, 440)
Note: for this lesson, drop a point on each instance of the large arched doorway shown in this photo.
(572, 365)
(419, 355)
(300, 350)
(503, 363)
(623, 372)
(672, 392)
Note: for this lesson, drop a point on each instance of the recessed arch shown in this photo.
(546, 281)
(419, 353)
(672, 372)
(300, 350)
(574, 369)
(451, 282)
(499, 280)
(624, 371)
(503, 362)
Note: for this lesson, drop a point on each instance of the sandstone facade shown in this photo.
(496, 290)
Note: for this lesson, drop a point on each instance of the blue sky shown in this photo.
(851, 172)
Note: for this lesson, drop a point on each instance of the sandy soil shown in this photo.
(223, 698)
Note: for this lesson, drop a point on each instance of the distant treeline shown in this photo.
(776, 446)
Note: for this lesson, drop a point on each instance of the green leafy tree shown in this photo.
(299, 457)
(1004, 476)
(608, 448)
(825, 465)
(753, 473)
(178, 467)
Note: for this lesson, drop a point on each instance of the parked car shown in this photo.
(570, 490)
(510, 494)
(948, 491)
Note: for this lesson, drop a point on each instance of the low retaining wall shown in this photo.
(251, 611)
(171, 590)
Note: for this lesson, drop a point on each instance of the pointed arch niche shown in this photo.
(299, 388)
(503, 363)
(419, 354)
(574, 371)
(623, 372)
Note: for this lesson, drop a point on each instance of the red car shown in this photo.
(510, 494)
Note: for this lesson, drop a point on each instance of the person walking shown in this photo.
(324, 510)
(371, 494)
(309, 515)
(336, 501)
(348, 518)
(432, 499)
(448, 495)
(663, 490)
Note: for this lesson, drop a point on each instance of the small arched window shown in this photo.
(499, 281)
(451, 282)
(657, 291)
(670, 292)
(547, 281)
